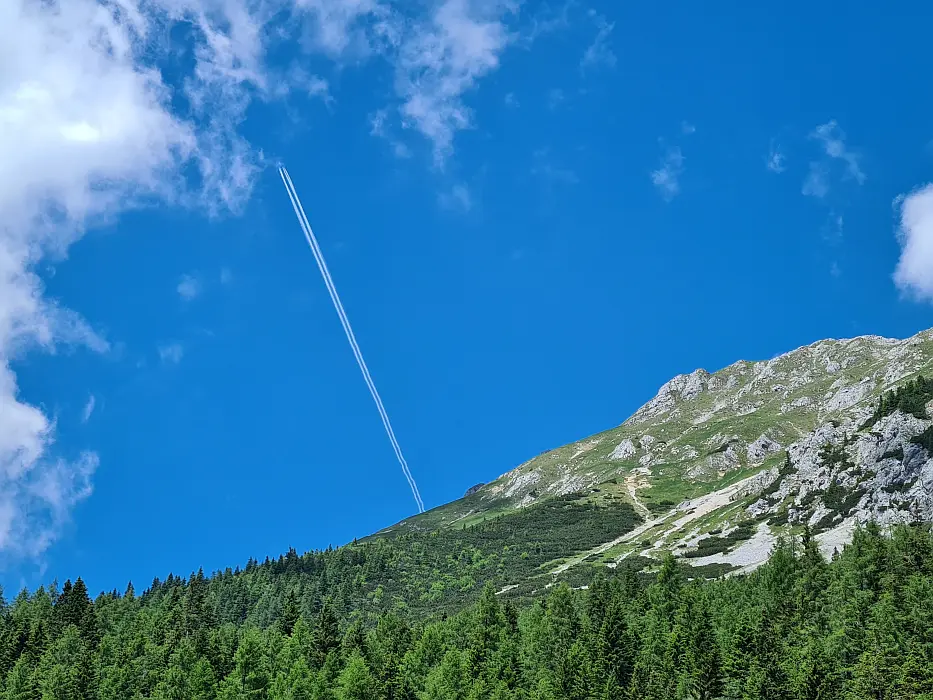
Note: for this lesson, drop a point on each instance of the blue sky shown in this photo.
(535, 215)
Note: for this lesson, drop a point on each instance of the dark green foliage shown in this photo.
(779, 518)
(809, 498)
(834, 456)
(723, 543)
(826, 522)
(662, 506)
(924, 439)
(840, 500)
(897, 453)
(834, 495)
(797, 628)
(910, 398)
(710, 571)
(290, 613)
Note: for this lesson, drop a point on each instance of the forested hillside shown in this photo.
(860, 627)
(545, 585)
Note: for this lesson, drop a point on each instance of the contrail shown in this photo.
(345, 322)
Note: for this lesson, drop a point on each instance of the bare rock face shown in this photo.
(624, 450)
(843, 472)
(473, 489)
(683, 387)
(759, 450)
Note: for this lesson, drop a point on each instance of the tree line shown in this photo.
(798, 628)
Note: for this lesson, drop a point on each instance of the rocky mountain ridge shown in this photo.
(720, 464)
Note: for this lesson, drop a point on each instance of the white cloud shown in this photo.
(458, 198)
(667, 177)
(171, 353)
(440, 60)
(914, 272)
(226, 275)
(436, 59)
(599, 52)
(87, 130)
(348, 28)
(377, 122)
(313, 86)
(316, 86)
(817, 182)
(378, 126)
(189, 287)
(834, 145)
(833, 142)
(88, 409)
(510, 100)
(776, 160)
(546, 20)
(686, 128)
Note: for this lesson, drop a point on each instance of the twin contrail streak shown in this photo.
(345, 322)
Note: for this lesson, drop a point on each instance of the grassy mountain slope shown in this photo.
(693, 459)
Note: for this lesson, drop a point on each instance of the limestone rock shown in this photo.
(624, 450)
(759, 450)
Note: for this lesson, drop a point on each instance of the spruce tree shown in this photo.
(325, 636)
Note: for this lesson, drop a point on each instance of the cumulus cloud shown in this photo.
(87, 130)
(914, 272)
(440, 60)
(667, 177)
(437, 59)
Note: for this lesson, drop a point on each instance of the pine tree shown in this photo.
(915, 676)
(614, 647)
(356, 681)
(486, 631)
(252, 671)
(23, 682)
(290, 612)
(325, 636)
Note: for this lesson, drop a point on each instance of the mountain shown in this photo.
(569, 576)
(719, 464)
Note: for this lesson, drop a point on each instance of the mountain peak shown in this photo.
(696, 458)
